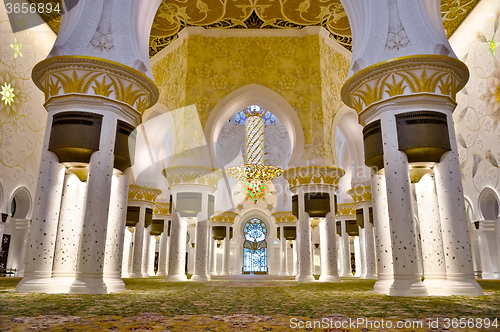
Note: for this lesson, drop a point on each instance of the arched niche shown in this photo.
(20, 204)
(489, 204)
(255, 94)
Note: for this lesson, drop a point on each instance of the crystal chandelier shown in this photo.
(254, 173)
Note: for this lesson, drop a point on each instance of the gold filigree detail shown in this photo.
(284, 217)
(174, 15)
(161, 208)
(94, 76)
(414, 74)
(142, 193)
(361, 194)
(313, 175)
(346, 209)
(205, 176)
(224, 217)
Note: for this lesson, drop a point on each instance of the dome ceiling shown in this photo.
(174, 15)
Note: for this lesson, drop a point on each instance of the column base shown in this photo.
(135, 275)
(200, 277)
(62, 284)
(88, 285)
(408, 286)
(305, 278)
(225, 274)
(145, 275)
(370, 276)
(362, 276)
(114, 284)
(383, 284)
(36, 283)
(329, 278)
(490, 275)
(176, 277)
(283, 274)
(213, 273)
(161, 274)
(462, 286)
(435, 286)
(346, 275)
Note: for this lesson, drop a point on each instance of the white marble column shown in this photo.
(431, 235)
(177, 250)
(127, 253)
(202, 241)
(146, 251)
(213, 254)
(47, 201)
(346, 259)
(163, 254)
(294, 258)
(357, 257)
(489, 249)
(113, 260)
(369, 244)
(226, 254)
(89, 276)
(407, 279)
(136, 270)
(341, 255)
(283, 254)
(382, 235)
(304, 273)
(328, 247)
(68, 233)
(456, 241)
(21, 233)
(362, 252)
(152, 254)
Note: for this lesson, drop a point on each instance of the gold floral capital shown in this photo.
(361, 194)
(315, 222)
(64, 75)
(428, 73)
(142, 193)
(313, 176)
(284, 217)
(198, 175)
(346, 209)
(161, 208)
(224, 217)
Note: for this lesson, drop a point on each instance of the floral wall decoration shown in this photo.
(477, 116)
(306, 71)
(22, 115)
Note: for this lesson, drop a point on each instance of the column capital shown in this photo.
(227, 217)
(285, 218)
(362, 196)
(346, 210)
(391, 79)
(142, 194)
(197, 176)
(78, 74)
(313, 178)
(162, 209)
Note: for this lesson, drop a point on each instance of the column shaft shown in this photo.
(294, 258)
(47, 201)
(213, 255)
(304, 273)
(346, 258)
(68, 233)
(163, 254)
(138, 244)
(226, 254)
(113, 260)
(456, 240)
(431, 236)
(362, 252)
(283, 254)
(127, 254)
(407, 279)
(328, 247)
(177, 250)
(146, 249)
(371, 264)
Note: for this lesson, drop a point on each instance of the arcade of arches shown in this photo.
(360, 147)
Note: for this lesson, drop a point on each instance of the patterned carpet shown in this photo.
(245, 303)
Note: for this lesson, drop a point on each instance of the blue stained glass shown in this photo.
(255, 246)
(269, 118)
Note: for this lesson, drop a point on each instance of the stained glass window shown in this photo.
(255, 246)
(269, 118)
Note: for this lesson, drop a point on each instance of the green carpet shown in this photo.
(260, 299)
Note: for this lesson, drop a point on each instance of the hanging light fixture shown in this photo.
(254, 173)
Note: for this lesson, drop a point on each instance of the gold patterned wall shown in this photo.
(304, 70)
(174, 15)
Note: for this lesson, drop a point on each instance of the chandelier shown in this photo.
(254, 173)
